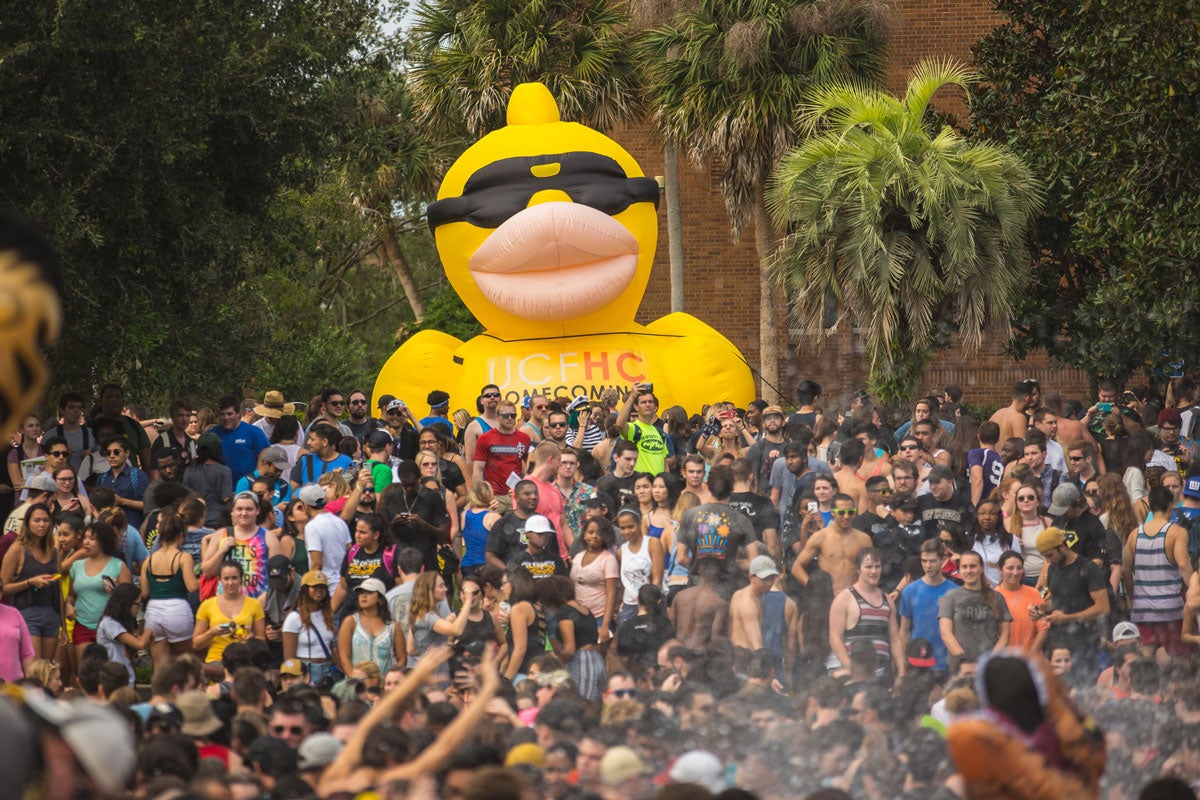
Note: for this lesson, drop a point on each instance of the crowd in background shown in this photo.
(568, 597)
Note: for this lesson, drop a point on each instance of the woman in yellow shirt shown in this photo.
(228, 617)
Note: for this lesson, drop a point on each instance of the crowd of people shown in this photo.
(573, 597)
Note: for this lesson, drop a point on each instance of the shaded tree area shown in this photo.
(1101, 99)
(188, 161)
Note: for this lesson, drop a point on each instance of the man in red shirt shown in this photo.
(499, 456)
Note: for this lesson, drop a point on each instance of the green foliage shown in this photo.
(445, 312)
(1101, 99)
(152, 141)
(725, 78)
(468, 55)
(912, 229)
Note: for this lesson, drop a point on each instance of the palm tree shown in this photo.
(468, 55)
(725, 79)
(912, 229)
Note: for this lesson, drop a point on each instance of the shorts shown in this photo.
(1166, 635)
(504, 503)
(82, 634)
(42, 622)
(171, 619)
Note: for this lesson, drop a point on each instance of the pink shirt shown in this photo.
(15, 644)
(591, 589)
(550, 506)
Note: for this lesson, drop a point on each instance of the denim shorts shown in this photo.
(42, 622)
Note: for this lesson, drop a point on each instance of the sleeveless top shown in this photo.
(535, 639)
(655, 531)
(878, 466)
(252, 554)
(378, 648)
(36, 598)
(635, 570)
(90, 594)
(774, 623)
(167, 587)
(300, 556)
(873, 626)
(474, 537)
(586, 632)
(481, 631)
(674, 573)
(1156, 581)
(484, 427)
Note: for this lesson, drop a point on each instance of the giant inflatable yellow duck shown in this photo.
(547, 229)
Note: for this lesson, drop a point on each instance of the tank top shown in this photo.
(1032, 557)
(300, 556)
(476, 631)
(635, 571)
(655, 531)
(474, 537)
(36, 598)
(484, 427)
(1156, 581)
(252, 555)
(535, 639)
(774, 624)
(873, 626)
(378, 648)
(167, 587)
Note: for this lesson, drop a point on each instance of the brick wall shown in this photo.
(721, 275)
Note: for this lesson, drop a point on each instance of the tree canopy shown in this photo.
(1101, 99)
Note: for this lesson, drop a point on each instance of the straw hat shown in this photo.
(273, 406)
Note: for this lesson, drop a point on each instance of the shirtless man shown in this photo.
(862, 612)
(846, 475)
(874, 462)
(693, 478)
(489, 396)
(760, 618)
(699, 613)
(1011, 419)
(1070, 431)
(836, 546)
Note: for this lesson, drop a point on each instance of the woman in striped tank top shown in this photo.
(1155, 568)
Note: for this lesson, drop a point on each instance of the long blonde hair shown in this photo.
(686, 501)
(422, 597)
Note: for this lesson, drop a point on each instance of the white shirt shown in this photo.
(328, 535)
(1055, 459)
(308, 642)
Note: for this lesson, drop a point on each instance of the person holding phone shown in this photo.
(92, 580)
(229, 617)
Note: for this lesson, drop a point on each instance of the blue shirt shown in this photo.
(309, 467)
(241, 447)
(919, 604)
(282, 493)
(134, 549)
(131, 484)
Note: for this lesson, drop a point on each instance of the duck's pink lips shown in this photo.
(555, 261)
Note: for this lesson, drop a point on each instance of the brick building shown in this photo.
(721, 283)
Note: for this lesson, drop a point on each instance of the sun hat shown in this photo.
(198, 716)
(273, 406)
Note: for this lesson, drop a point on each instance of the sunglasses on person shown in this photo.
(909, 447)
(884, 492)
(489, 395)
(59, 453)
(507, 416)
(358, 402)
(845, 512)
(1092, 493)
(338, 403)
(1026, 498)
(294, 730)
(114, 452)
(624, 692)
(1075, 458)
(556, 424)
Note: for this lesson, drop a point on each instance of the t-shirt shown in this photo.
(327, 534)
(715, 530)
(214, 483)
(502, 454)
(989, 461)
(919, 604)
(651, 444)
(15, 644)
(546, 564)
(1023, 630)
(359, 430)
(209, 611)
(550, 506)
(400, 600)
(310, 467)
(1071, 585)
(591, 588)
(934, 513)
(758, 509)
(619, 489)
(896, 544)
(976, 624)
(505, 538)
(1084, 534)
(361, 566)
(106, 635)
(308, 639)
(427, 506)
(241, 447)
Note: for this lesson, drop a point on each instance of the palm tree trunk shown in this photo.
(768, 335)
(674, 223)
(399, 263)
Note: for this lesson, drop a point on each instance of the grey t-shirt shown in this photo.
(717, 530)
(213, 482)
(976, 624)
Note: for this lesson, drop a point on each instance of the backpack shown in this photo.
(389, 557)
